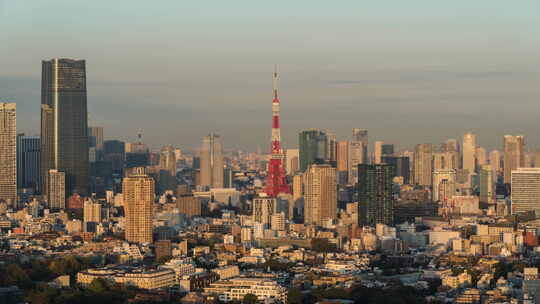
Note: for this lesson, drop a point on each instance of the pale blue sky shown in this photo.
(409, 71)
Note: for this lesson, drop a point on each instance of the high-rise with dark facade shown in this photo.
(313, 145)
(28, 156)
(375, 201)
(401, 166)
(64, 126)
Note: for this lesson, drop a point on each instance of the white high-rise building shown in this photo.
(378, 152)
(444, 185)
(56, 193)
(292, 161)
(525, 190)
(469, 152)
(212, 162)
(495, 163)
(263, 209)
(513, 155)
(320, 194)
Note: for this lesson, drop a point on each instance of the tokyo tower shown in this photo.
(276, 182)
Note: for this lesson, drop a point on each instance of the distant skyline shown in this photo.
(409, 72)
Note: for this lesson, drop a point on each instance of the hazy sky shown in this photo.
(408, 71)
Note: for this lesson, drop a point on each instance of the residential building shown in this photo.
(138, 192)
(376, 204)
(8, 153)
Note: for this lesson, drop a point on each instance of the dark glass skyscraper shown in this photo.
(375, 201)
(313, 145)
(64, 126)
(401, 166)
(28, 156)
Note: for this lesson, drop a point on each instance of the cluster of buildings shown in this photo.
(220, 225)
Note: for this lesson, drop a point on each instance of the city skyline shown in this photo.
(397, 73)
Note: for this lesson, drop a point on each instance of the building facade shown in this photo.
(525, 194)
(56, 194)
(313, 145)
(211, 162)
(320, 194)
(513, 155)
(8, 153)
(375, 201)
(469, 152)
(64, 125)
(423, 164)
(28, 157)
(138, 192)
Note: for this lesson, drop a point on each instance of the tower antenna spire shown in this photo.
(276, 182)
(274, 82)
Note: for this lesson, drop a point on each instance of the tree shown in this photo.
(164, 259)
(249, 299)
(295, 296)
(15, 275)
(98, 285)
(323, 245)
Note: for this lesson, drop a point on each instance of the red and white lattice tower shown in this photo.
(276, 182)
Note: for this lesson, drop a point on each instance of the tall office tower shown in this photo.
(529, 159)
(525, 194)
(28, 154)
(537, 158)
(8, 153)
(469, 151)
(342, 162)
(378, 152)
(228, 180)
(375, 202)
(138, 192)
(96, 137)
(451, 145)
(445, 160)
(167, 169)
(361, 135)
(513, 155)
(313, 145)
(444, 185)
(263, 209)
(423, 164)
(320, 194)
(481, 157)
(387, 150)
(298, 193)
(298, 187)
(64, 125)
(212, 161)
(56, 194)
(331, 146)
(495, 162)
(276, 181)
(356, 157)
(487, 193)
(293, 161)
(400, 165)
(114, 152)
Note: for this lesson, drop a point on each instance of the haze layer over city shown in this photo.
(276, 152)
(409, 72)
